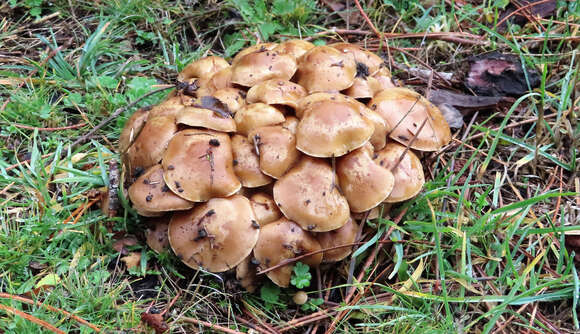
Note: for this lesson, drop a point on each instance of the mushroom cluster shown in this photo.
(251, 163)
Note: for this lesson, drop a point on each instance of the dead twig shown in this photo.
(31, 318)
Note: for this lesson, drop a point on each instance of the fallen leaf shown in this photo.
(48, 280)
(121, 244)
(155, 321)
(132, 260)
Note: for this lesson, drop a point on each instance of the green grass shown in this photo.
(483, 243)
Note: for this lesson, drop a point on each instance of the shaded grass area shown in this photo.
(481, 249)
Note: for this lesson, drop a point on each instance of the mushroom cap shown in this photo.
(198, 165)
(374, 214)
(291, 124)
(308, 101)
(222, 79)
(150, 194)
(277, 147)
(379, 137)
(276, 91)
(409, 177)
(294, 47)
(234, 98)
(215, 117)
(341, 236)
(246, 274)
(259, 66)
(364, 183)
(256, 115)
(265, 208)
(132, 128)
(282, 240)
(260, 47)
(216, 235)
(363, 88)
(203, 68)
(323, 68)
(331, 129)
(148, 148)
(371, 61)
(156, 233)
(308, 195)
(247, 164)
(170, 107)
(404, 111)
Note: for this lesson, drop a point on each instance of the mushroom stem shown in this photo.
(402, 156)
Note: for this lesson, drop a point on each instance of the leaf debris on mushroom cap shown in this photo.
(216, 235)
(198, 165)
(247, 163)
(341, 236)
(404, 111)
(203, 68)
(308, 194)
(331, 129)
(277, 148)
(276, 91)
(323, 69)
(256, 115)
(149, 193)
(149, 147)
(259, 66)
(364, 183)
(233, 98)
(409, 177)
(282, 240)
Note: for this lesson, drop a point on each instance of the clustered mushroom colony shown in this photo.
(251, 163)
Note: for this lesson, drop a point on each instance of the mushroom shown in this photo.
(291, 124)
(282, 240)
(148, 148)
(256, 115)
(220, 80)
(405, 111)
(156, 233)
(259, 66)
(216, 235)
(265, 208)
(246, 163)
(294, 47)
(170, 107)
(198, 165)
(203, 68)
(308, 195)
(325, 69)
(276, 146)
(383, 76)
(276, 91)
(150, 194)
(233, 98)
(260, 47)
(364, 183)
(406, 168)
(342, 236)
(367, 62)
(363, 88)
(209, 113)
(331, 129)
(246, 274)
(132, 127)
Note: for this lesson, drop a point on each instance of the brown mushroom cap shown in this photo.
(198, 165)
(294, 47)
(276, 91)
(308, 195)
(277, 148)
(260, 47)
(149, 193)
(341, 236)
(256, 115)
(374, 214)
(409, 177)
(405, 111)
(234, 98)
(247, 164)
(132, 128)
(371, 61)
(265, 208)
(170, 107)
(156, 233)
(246, 274)
(203, 68)
(363, 88)
(148, 148)
(216, 235)
(325, 69)
(256, 67)
(282, 240)
(215, 119)
(364, 183)
(308, 101)
(222, 79)
(331, 129)
(291, 124)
